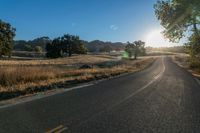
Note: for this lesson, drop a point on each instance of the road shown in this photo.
(163, 98)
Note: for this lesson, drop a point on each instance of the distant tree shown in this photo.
(106, 48)
(179, 17)
(54, 49)
(78, 47)
(38, 49)
(21, 45)
(28, 48)
(67, 44)
(7, 33)
(41, 41)
(136, 48)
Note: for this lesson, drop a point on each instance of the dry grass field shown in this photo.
(31, 76)
(81, 59)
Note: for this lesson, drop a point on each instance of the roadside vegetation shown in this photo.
(180, 18)
(31, 76)
(185, 62)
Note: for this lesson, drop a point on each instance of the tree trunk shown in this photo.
(196, 29)
(197, 37)
(135, 56)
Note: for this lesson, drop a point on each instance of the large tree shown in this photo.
(65, 45)
(179, 17)
(136, 48)
(7, 33)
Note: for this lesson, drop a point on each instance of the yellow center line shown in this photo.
(61, 130)
(58, 128)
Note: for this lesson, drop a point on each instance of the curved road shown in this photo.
(163, 98)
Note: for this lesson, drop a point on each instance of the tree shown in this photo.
(106, 48)
(79, 48)
(65, 45)
(32, 45)
(7, 33)
(28, 48)
(54, 49)
(179, 17)
(38, 49)
(136, 48)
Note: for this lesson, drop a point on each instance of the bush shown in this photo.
(195, 64)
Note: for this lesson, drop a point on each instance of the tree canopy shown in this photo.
(7, 33)
(179, 17)
(65, 45)
(136, 48)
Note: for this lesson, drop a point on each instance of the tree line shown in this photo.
(66, 45)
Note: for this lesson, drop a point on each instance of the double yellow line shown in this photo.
(58, 129)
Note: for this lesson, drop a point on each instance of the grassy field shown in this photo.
(30, 76)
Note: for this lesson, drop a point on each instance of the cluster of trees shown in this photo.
(180, 18)
(136, 48)
(65, 45)
(7, 33)
(36, 45)
(101, 46)
(39, 45)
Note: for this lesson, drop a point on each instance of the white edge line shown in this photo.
(40, 96)
(131, 95)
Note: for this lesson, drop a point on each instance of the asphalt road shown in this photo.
(164, 98)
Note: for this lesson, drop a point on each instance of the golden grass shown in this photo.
(22, 77)
(16, 80)
(79, 59)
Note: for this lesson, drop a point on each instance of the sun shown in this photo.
(155, 39)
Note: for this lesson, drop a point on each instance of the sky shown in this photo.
(106, 20)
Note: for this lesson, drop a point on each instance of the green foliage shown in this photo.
(136, 48)
(28, 48)
(65, 45)
(106, 48)
(193, 46)
(179, 17)
(101, 46)
(38, 49)
(22, 45)
(7, 33)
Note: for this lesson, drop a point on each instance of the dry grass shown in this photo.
(80, 59)
(23, 79)
(186, 62)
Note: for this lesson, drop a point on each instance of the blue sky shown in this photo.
(107, 20)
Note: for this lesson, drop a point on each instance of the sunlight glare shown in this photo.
(156, 39)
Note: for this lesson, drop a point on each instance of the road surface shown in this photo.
(164, 98)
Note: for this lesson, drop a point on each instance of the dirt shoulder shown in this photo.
(183, 61)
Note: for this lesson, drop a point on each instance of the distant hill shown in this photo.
(93, 46)
(22, 45)
(97, 45)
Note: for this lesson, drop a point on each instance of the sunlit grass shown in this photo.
(19, 78)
